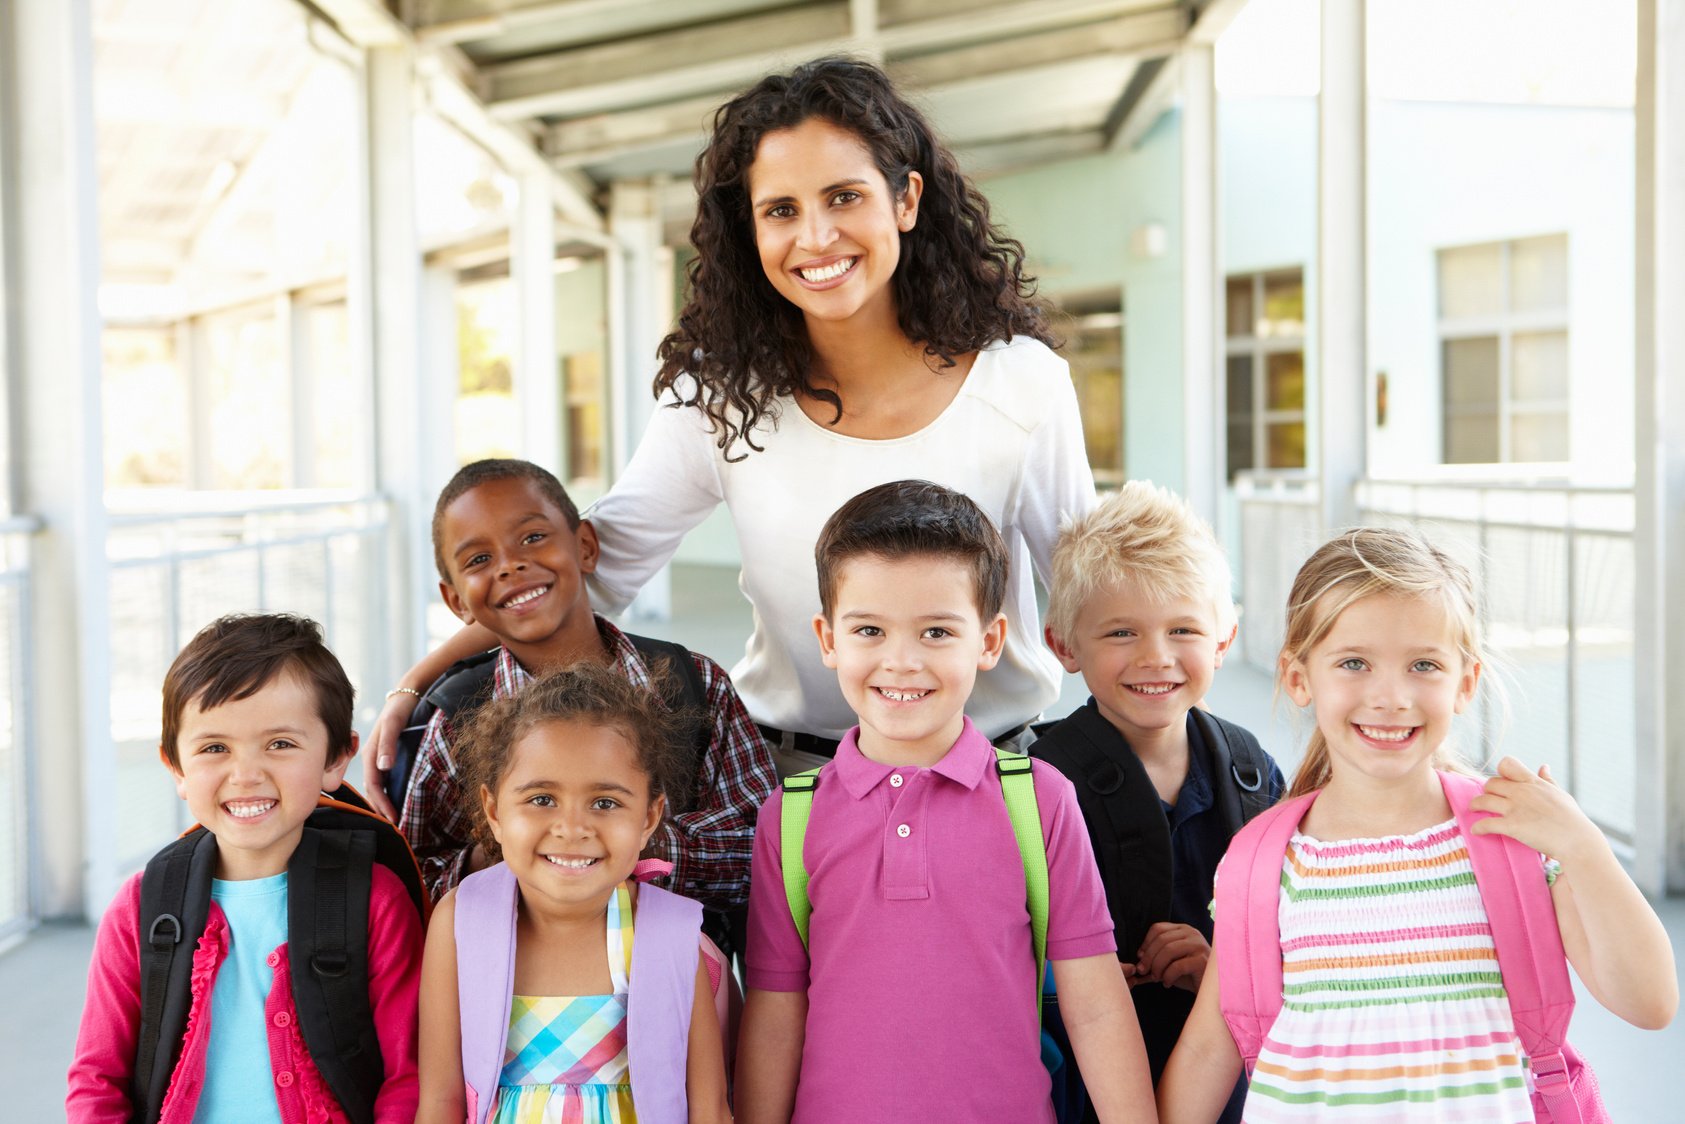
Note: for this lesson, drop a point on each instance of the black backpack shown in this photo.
(467, 684)
(328, 882)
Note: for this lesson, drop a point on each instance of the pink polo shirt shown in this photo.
(921, 981)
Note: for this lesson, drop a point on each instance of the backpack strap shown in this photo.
(328, 882)
(1248, 926)
(485, 979)
(1018, 787)
(175, 902)
(1240, 770)
(464, 684)
(682, 691)
(797, 808)
(666, 942)
(1522, 915)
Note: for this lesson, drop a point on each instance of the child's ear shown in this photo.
(994, 642)
(652, 818)
(1062, 651)
(589, 548)
(827, 640)
(1467, 686)
(1294, 682)
(1223, 646)
(180, 779)
(454, 602)
(334, 775)
(488, 802)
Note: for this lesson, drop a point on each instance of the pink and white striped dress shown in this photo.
(1393, 1006)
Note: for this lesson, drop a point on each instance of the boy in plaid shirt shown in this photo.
(512, 554)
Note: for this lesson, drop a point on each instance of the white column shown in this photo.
(532, 266)
(1659, 419)
(640, 307)
(1201, 294)
(384, 301)
(1342, 378)
(190, 358)
(47, 61)
(292, 325)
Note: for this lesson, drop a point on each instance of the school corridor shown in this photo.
(271, 270)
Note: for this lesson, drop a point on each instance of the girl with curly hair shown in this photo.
(854, 317)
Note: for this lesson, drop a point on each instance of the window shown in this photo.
(1503, 332)
(1094, 348)
(1265, 370)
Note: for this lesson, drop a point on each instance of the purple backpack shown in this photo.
(665, 947)
(1518, 907)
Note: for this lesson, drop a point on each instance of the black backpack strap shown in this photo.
(328, 882)
(1240, 770)
(175, 901)
(1125, 820)
(464, 685)
(681, 689)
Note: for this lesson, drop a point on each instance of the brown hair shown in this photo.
(914, 519)
(236, 656)
(959, 284)
(588, 692)
(471, 476)
(1367, 562)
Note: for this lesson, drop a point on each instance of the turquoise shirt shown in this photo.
(239, 1077)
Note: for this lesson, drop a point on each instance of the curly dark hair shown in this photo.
(588, 692)
(959, 286)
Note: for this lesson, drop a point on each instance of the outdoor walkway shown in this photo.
(41, 981)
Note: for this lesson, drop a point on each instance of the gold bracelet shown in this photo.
(403, 691)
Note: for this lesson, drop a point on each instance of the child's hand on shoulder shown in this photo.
(1532, 810)
(1173, 954)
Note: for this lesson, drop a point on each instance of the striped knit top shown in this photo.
(1393, 1008)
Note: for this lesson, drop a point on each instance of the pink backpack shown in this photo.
(1518, 907)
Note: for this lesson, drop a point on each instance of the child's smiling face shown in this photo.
(251, 772)
(907, 641)
(572, 812)
(1386, 682)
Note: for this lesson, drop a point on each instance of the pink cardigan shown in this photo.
(101, 1074)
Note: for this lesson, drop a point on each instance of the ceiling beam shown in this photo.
(1139, 106)
(460, 21)
(730, 54)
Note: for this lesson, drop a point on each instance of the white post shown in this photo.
(384, 300)
(642, 292)
(532, 267)
(1659, 420)
(1342, 379)
(1202, 351)
(55, 333)
(292, 325)
(190, 358)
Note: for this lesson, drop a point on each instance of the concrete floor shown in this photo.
(42, 979)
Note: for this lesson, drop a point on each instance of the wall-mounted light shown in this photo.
(1149, 241)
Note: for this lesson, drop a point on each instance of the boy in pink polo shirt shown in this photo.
(915, 995)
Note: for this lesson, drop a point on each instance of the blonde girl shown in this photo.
(527, 985)
(1393, 1006)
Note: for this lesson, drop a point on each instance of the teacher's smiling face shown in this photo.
(827, 224)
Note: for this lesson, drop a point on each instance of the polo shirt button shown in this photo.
(283, 1019)
(895, 780)
(284, 1079)
(903, 831)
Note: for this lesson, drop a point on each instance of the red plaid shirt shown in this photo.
(709, 846)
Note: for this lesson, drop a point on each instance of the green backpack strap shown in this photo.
(792, 835)
(1018, 786)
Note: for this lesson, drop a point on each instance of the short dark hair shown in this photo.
(911, 519)
(589, 692)
(236, 656)
(471, 476)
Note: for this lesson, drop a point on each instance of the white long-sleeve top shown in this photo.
(1011, 440)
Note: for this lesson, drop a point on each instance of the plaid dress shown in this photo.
(565, 1058)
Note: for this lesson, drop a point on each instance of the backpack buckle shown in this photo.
(1550, 1074)
(158, 942)
(1013, 764)
(330, 965)
(1257, 778)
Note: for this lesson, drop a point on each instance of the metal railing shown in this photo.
(174, 571)
(15, 764)
(1555, 569)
